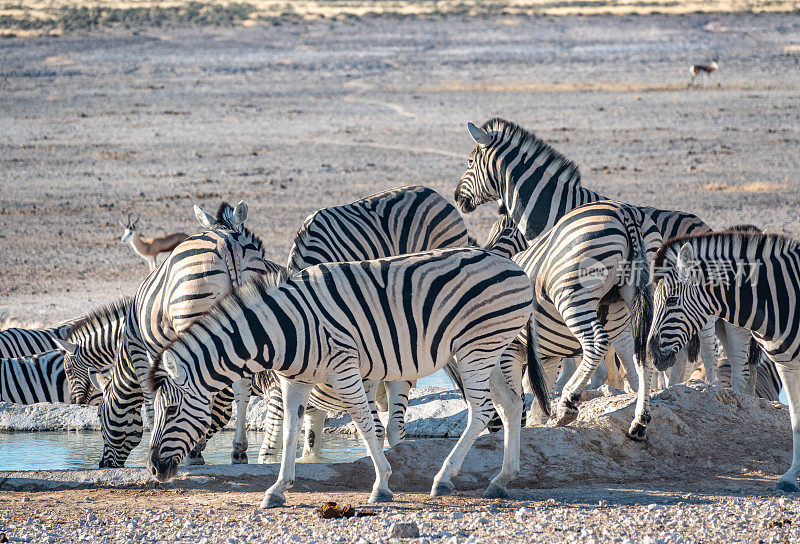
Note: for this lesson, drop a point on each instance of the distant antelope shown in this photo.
(702, 70)
(150, 248)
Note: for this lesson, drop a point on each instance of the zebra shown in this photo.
(397, 318)
(749, 279)
(34, 378)
(90, 344)
(395, 222)
(202, 269)
(19, 342)
(590, 278)
(538, 185)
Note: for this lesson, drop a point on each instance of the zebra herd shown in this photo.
(390, 288)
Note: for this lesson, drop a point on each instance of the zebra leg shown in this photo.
(790, 376)
(398, 404)
(475, 374)
(568, 368)
(708, 350)
(241, 396)
(624, 349)
(271, 446)
(638, 429)
(678, 370)
(314, 424)
(295, 397)
(600, 375)
(736, 343)
(505, 385)
(371, 390)
(595, 343)
(195, 457)
(350, 388)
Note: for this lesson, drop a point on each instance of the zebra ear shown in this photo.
(204, 218)
(239, 213)
(685, 261)
(479, 135)
(99, 380)
(69, 347)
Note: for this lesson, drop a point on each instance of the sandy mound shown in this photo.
(699, 432)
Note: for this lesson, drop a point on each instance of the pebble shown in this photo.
(402, 529)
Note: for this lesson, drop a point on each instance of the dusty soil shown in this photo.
(295, 117)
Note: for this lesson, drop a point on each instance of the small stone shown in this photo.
(602, 503)
(457, 515)
(90, 517)
(654, 507)
(404, 529)
(522, 512)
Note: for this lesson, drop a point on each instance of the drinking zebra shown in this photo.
(538, 186)
(395, 319)
(91, 343)
(19, 342)
(751, 280)
(200, 271)
(395, 222)
(37, 378)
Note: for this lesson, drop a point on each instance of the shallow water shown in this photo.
(70, 449)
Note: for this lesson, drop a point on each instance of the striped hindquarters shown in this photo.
(37, 378)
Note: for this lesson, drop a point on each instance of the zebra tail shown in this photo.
(753, 353)
(452, 372)
(642, 308)
(536, 377)
(693, 348)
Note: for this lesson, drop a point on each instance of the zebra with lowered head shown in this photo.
(751, 280)
(37, 378)
(198, 272)
(394, 319)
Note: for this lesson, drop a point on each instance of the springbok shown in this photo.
(150, 248)
(702, 70)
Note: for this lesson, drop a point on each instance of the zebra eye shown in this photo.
(172, 409)
(672, 301)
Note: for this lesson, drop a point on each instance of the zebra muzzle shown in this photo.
(162, 470)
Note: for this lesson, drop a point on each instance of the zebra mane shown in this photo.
(99, 316)
(730, 239)
(531, 145)
(241, 297)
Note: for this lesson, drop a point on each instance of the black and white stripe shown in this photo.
(392, 319)
(198, 272)
(751, 280)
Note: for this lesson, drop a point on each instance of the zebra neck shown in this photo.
(537, 201)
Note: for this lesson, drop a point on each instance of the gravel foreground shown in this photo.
(631, 515)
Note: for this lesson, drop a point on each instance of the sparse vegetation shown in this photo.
(62, 16)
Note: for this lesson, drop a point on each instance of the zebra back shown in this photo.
(33, 379)
(20, 342)
(396, 222)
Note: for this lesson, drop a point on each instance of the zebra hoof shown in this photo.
(495, 492)
(441, 489)
(565, 415)
(637, 432)
(195, 460)
(239, 458)
(381, 495)
(786, 487)
(272, 501)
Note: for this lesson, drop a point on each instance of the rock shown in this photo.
(404, 529)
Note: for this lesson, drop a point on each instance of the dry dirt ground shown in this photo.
(296, 117)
